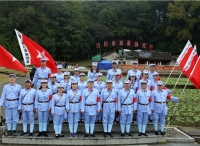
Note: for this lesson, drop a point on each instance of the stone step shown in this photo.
(81, 127)
(80, 140)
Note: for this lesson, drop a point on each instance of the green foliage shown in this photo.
(69, 30)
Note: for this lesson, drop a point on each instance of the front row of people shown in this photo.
(89, 103)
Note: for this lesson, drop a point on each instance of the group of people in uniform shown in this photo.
(62, 98)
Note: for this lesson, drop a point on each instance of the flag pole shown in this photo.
(170, 74)
(176, 106)
(177, 81)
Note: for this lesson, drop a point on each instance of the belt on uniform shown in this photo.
(160, 102)
(74, 102)
(57, 82)
(12, 99)
(99, 92)
(127, 104)
(27, 103)
(43, 101)
(43, 78)
(143, 104)
(90, 104)
(54, 93)
(60, 105)
(108, 101)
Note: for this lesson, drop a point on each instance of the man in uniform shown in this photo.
(111, 72)
(90, 106)
(144, 107)
(135, 70)
(42, 73)
(82, 84)
(59, 75)
(10, 101)
(109, 106)
(76, 75)
(145, 77)
(160, 109)
(26, 107)
(127, 105)
(53, 86)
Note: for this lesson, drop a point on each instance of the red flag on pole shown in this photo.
(195, 74)
(32, 52)
(9, 61)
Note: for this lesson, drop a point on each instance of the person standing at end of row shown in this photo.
(127, 105)
(111, 72)
(160, 108)
(92, 74)
(59, 75)
(144, 107)
(43, 106)
(90, 106)
(109, 106)
(10, 101)
(27, 106)
(74, 97)
(59, 106)
(42, 73)
(135, 70)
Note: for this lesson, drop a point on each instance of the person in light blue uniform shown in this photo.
(155, 81)
(145, 77)
(144, 108)
(27, 106)
(53, 85)
(66, 82)
(127, 105)
(100, 85)
(92, 74)
(111, 72)
(43, 106)
(42, 73)
(76, 75)
(135, 70)
(74, 98)
(90, 106)
(109, 107)
(152, 68)
(133, 82)
(59, 106)
(10, 101)
(60, 74)
(82, 84)
(160, 108)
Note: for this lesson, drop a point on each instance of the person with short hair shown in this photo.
(26, 107)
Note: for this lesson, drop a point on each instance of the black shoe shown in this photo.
(140, 134)
(133, 122)
(9, 133)
(39, 134)
(92, 135)
(23, 134)
(122, 135)
(162, 133)
(128, 134)
(82, 121)
(45, 134)
(86, 135)
(117, 122)
(156, 133)
(14, 133)
(75, 135)
(110, 134)
(150, 121)
(105, 134)
(100, 122)
(60, 135)
(50, 122)
(144, 134)
(71, 135)
(56, 136)
(96, 122)
(65, 122)
(30, 134)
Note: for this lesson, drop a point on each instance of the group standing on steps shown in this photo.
(62, 98)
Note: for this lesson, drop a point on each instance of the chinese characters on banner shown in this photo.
(127, 43)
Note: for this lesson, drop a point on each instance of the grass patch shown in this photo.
(86, 62)
(3, 78)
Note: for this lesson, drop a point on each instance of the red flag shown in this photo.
(195, 74)
(9, 61)
(32, 52)
(186, 56)
(186, 49)
(190, 63)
